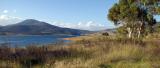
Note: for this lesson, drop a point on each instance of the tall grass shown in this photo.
(93, 52)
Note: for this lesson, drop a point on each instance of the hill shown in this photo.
(35, 27)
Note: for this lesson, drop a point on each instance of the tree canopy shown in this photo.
(135, 15)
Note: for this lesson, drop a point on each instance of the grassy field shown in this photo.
(95, 51)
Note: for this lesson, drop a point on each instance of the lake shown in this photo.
(26, 40)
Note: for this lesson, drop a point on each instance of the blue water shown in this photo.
(27, 40)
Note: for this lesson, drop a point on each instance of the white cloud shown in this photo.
(6, 20)
(5, 11)
(90, 25)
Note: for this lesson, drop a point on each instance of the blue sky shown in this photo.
(88, 14)
(79, 14)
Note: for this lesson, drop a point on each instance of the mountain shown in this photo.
(35, 27)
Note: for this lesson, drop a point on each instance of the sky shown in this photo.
(77, 14)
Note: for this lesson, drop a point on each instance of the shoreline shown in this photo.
(78, 38)
(73, 38)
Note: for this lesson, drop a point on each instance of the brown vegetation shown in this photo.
(95, 52)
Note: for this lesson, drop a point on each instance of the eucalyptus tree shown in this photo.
(134, 15)
(152, 6)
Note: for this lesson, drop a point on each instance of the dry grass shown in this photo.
(91, 52)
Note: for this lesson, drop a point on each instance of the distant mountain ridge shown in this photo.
(35, 27)
(32, 22)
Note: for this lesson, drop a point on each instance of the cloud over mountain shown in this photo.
(89, 25)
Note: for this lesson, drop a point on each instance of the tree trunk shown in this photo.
(129, 32)
(139, 32)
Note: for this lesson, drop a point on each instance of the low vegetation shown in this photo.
(96, 51)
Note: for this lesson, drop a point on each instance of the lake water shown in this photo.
(27, 40)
